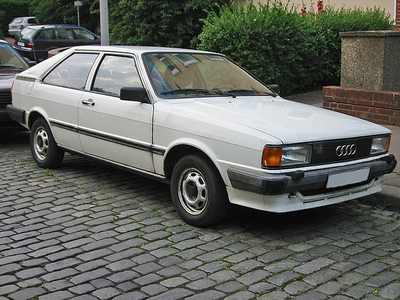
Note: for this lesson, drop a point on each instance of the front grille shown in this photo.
(5, 99)
(325, 152)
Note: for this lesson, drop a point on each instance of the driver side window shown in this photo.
(114, 73)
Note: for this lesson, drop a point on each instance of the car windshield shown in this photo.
(180, 75)
(9, 60)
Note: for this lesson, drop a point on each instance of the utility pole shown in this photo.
(104, 34)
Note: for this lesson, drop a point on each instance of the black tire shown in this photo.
(198, 191)
(44, 149)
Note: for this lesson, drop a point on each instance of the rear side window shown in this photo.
(72, 72)
(45, 34)
(64, 34)
(32, 21)
(114, 73)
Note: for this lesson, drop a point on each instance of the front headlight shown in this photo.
(286, 156)
(380, 145)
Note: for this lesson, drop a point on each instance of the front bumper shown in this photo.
(307, 182)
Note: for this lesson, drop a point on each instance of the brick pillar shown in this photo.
(397, 13)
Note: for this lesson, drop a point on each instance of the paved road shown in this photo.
(89, 231)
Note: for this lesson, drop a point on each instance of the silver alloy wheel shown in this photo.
(193, 191)
(41, 143)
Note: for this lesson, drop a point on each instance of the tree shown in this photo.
(9, 9)
(65, 12)
(175, 23)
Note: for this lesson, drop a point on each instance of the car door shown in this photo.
(60, 93)
(44, 40)
(113, 129)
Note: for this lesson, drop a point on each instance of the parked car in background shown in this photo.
(198, 121)
(18, 24)
(36, 41)
(11, 63)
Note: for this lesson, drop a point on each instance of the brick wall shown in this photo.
(381, 107)
(397, 14)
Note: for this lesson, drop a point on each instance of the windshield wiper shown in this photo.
(237, 92)
(186, 91)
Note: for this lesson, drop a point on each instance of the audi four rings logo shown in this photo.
(346, 150)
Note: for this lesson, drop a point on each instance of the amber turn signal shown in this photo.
(272, 157)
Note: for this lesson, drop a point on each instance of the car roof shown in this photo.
(19, 18)
(137, 49)
(40, 69)
(55, 26)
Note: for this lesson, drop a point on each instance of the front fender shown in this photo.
(180, 148)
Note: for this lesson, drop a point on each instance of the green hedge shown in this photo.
(173, 23)
(279, 45)
(11, 9)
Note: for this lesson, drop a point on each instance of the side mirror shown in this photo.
(137, 94)
(274, 88)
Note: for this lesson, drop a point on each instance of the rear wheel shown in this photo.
(44, 149)
(198, 191)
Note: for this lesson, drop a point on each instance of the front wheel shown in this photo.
(44, 149)
(198, 191)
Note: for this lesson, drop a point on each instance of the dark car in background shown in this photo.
(36, 41)
(11, 63)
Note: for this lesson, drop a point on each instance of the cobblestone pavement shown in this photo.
(90, 231)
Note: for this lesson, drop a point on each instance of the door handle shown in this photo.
(88, 102)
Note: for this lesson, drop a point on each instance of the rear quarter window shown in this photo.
(82, 34)
(72, 72)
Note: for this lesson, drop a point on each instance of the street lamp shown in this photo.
(78, 3)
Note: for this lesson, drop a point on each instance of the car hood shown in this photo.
(288, 121)
(6, 80)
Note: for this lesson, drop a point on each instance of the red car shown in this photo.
(11, 63)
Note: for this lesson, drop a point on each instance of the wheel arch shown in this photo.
(178, 151)
(33, 116)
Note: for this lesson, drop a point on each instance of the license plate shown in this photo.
(22, 44)
(346, 178)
